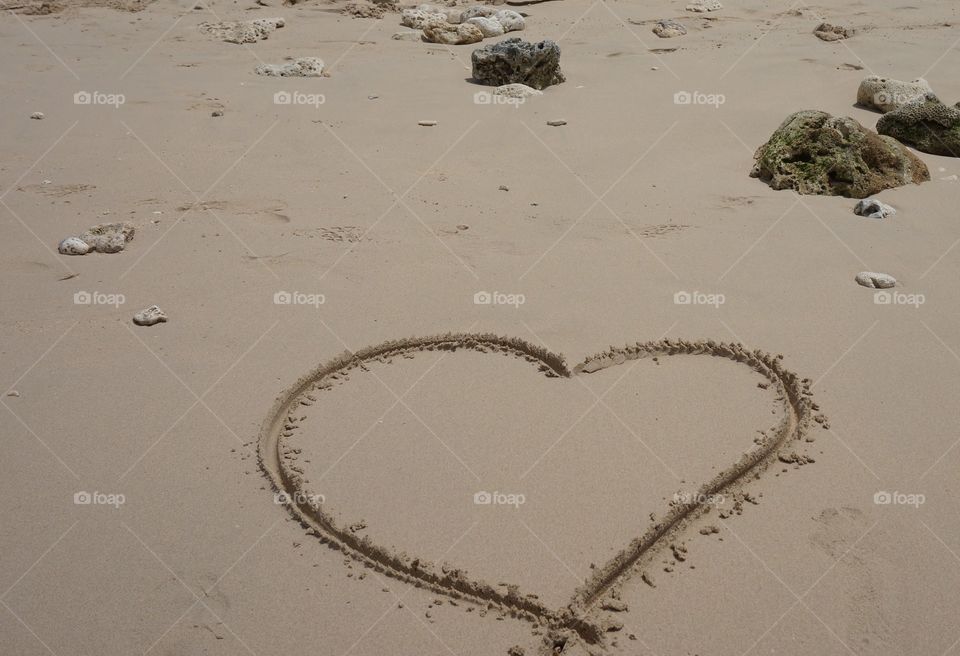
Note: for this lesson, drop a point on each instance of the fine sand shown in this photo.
(303, 460)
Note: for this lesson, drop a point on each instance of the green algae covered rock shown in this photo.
(926, 124)
(813, 152)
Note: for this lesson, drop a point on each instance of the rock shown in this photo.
(886, 94)
(874, 209)
(407, 36)
(108, 237)
(828, 32)
(299, 67)
(511, 20)
(667, 28)
(813, 152)
(484, 11)
(516, 91)
(453, 15)
(13, 393)
(427, 124)
(73, 246)
(37, 116)
(216, 113)
(364, 10)
(557, 123)
(242, 31)
(488, 26)
(149, 316)
(513, 61)
(702, 6)
(875, 280)
(419, 19)
(452, 35)
(926, 124)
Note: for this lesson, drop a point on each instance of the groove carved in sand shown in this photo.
(278, 460)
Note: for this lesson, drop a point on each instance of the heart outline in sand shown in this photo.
(287, 479)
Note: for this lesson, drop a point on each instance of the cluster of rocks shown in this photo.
(515, 61)
(913, 114)
(249, 31)
(101, 238)
(458, 26)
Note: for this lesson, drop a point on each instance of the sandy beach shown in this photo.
(441, 371)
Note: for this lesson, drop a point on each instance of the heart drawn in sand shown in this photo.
(279, 461)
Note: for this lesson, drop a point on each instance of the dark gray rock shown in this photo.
(926, 124)
(515, 61)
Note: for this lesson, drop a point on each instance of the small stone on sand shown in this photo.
(557, 123)
(873, 209)
(149, 316)
(702, 6)
(427, 124)
(828, 32)
(667, 28)
(299, 67)
(37, 116)
(875, 280)
(73, 246)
